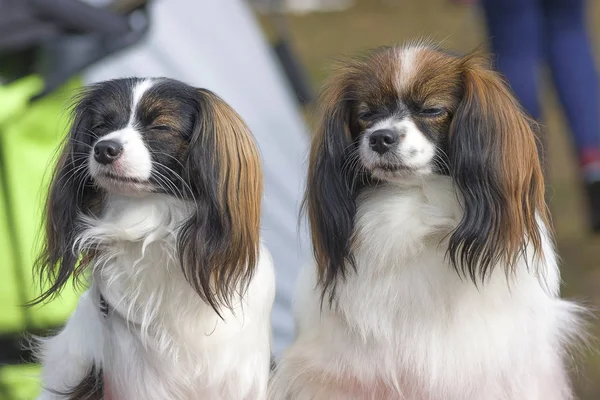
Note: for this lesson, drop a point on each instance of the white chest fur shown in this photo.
(406, 326)
(161, 340)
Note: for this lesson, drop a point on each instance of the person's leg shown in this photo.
(575, 75)
(576, 79)
(514, 28)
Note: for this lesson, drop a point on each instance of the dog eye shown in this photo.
(99, 125)
(161, 128)
(432, 112)
(365, 115)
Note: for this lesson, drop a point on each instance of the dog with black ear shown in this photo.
(435, 274)
(156, 201)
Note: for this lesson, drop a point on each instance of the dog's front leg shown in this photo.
(74, 353)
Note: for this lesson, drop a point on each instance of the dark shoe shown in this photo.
(593, 194)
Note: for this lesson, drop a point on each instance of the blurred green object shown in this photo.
(30, 133)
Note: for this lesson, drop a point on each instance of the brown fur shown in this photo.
(161, 111)
(512, 154)
(240, 195)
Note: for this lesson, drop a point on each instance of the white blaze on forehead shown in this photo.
(136, 160)
(138, 91)
(407, 60)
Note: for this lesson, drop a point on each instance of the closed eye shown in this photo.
(100, 125)
(432, 112)
(161, 128)
(365, 115)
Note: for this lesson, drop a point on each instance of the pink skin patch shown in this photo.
(107, 393)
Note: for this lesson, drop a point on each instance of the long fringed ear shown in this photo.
(71, 194)
(330, 193)
(219, 243)
(496, 168)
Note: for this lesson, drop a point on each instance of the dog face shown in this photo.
(139, 133)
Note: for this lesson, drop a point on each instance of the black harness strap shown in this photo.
(104, 307)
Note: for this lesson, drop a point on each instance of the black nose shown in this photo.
(107, 151)
(383, 140)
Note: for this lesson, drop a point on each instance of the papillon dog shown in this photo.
(436, 276)
(156, 203)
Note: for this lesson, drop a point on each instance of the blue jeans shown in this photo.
(526, 33)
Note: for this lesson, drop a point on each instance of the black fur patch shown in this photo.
(90, 388)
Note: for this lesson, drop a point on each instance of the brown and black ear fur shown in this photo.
(495, 166)
(219, 243)
(333, 180)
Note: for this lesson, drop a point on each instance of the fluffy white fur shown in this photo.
(410, 328)
(161, 341)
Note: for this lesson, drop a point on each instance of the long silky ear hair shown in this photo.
(332, 184)
(496, 168)
(219, 243)
(71, 194)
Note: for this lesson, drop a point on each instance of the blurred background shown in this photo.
(267, 58)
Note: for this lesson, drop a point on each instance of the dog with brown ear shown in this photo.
(156, 199)
(436, 276)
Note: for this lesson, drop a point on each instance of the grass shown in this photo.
(323, 38)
